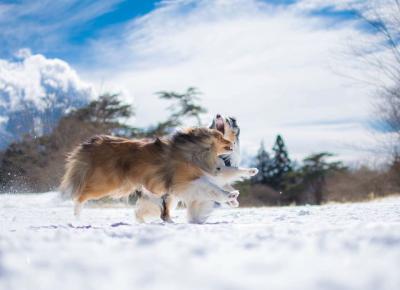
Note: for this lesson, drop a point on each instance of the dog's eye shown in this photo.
(218, 168)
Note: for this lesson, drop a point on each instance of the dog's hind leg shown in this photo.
(79, 202)
(86, 196)
(77, 209)
(78, 205)
(148, 206)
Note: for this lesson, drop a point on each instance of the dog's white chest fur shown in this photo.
(235, 155)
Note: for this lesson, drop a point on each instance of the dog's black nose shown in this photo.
(218, 116)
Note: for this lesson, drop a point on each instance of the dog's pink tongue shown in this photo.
(219, 124)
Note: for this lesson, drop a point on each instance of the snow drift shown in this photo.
(335, 246)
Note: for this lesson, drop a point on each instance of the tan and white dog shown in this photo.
(177, 165)
(199, 204)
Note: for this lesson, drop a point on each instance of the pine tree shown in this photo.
(187, 105)
(263, 164)
(314, 171)
(281, 164)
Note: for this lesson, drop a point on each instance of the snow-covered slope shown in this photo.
(35, 92)
(338, 246)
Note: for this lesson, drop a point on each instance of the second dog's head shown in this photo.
(227, 126)
(231, 131)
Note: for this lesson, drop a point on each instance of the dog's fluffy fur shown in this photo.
(199, 204)
(111, 166)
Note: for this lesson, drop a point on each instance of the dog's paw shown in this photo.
(168, 221)
(253, 171)
(233, 203)
(233, 195)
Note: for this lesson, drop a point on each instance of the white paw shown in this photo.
(233, 203)
(253, 171)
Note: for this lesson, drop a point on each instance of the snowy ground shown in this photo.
(352, 246)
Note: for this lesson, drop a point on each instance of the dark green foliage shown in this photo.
(264, 165)
(281, 164)
(394, 171)
(274, 171)
(300, 184)
(107, 109)
(186, 107)
(309, 181)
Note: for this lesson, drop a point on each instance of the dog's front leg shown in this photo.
(232, 174)
(199, 211)
(232, 203)
(200, 197)
(204, 189)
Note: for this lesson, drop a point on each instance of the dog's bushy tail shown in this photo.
(76, 172)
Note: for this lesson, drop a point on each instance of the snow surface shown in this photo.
(335, 246)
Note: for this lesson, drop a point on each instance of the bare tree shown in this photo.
(382, 55)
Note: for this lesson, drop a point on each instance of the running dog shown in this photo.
(199, 207)
(114, 167)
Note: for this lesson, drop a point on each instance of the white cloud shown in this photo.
(35, 79)
(335, 4)
(361, 5)
(271, 66)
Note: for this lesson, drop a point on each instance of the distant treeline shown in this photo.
(36, 163)
(315, 180)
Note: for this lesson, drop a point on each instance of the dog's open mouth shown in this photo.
(220, 124)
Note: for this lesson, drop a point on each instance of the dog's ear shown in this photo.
(232, 121)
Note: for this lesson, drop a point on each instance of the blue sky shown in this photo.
(119, 14)
(38, 26)
(31, 23)
(278, 66)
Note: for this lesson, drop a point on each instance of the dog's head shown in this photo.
(201, 146)
(231, 131)
(205, 139)
(227, 126)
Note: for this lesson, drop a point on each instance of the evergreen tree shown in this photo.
(186, 107)
(281, 164)
(263, 164)
(314, 172)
